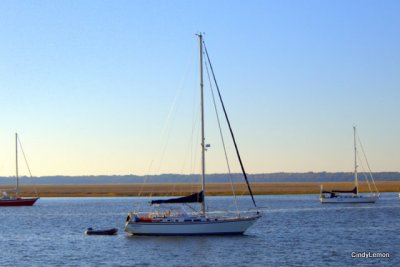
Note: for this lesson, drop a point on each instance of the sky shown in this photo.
(111, 87)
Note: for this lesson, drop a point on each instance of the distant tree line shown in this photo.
(211, 178)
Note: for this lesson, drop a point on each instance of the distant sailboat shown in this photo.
(14, 199)
(171, 218)
(350, 196)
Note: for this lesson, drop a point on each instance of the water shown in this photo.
(296, 230)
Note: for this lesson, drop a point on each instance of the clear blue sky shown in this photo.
(88, 85)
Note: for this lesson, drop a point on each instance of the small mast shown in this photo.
(203, 160)
(16, 162)
(355, 161)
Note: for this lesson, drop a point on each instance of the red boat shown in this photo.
(19, 201)
(14, 199)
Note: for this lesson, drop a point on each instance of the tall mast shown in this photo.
(203, 156)
(16, 162)
(355, 161)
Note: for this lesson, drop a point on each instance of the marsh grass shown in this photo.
(120, 190)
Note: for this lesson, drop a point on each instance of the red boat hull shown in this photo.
(18, 202)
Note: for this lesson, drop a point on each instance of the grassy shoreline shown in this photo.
(121, 190)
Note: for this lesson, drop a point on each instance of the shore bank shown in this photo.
(121, 190)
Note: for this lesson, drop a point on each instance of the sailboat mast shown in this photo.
(203, 156)
(355, 161)
(16, 162)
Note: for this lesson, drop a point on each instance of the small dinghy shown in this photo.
(91, 231)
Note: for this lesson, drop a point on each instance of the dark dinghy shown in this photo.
(91, 231)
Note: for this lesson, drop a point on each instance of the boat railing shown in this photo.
(233, 213)
(169, 214)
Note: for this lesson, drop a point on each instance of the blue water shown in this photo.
(296, 230)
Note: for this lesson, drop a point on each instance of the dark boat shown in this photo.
(91, 231)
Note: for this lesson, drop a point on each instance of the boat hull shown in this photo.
(341, 199)
(235, 226)
(18, 202)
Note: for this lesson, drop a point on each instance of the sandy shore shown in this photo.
(183, 189)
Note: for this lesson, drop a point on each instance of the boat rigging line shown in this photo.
(230, 128)
(222, 139)
(366, 161)
(27, 165)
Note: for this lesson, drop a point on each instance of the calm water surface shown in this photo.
(296, 230)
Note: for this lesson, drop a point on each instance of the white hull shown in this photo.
(220, 227)
(350, 199)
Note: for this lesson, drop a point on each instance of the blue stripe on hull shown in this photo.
(345, 202)
(202, 234)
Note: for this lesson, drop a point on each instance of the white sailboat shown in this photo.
(350, 196)
(171, 218)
